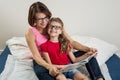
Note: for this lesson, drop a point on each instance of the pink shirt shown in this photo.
(39, 38)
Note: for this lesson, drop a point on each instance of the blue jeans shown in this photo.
(41, 72)
(71, 74)
(92, 67)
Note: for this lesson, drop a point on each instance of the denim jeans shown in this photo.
(41, 72)
(92, 67)
(70, 74)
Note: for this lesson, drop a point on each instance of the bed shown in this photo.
(16, 59)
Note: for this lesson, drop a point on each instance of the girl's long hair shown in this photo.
(64, 42)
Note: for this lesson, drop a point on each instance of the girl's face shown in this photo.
(41, 20)
(54, 29)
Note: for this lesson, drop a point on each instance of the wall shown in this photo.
(97, 18)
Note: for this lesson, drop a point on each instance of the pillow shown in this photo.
(9, 66)
(81, 39)
(113, 65)
(18, 48)
(23, 70)
(3, 58)
(104, 48)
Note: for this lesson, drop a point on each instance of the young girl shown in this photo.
(57, 49)
(38, 18)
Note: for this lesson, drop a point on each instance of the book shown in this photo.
(70, 67)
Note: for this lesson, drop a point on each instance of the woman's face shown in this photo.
(54, 29)
(41, 20)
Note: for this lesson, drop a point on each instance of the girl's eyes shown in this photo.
(55, 27)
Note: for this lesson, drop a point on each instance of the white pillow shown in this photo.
(81, 39)
(23, 70)
(18, 48)
(9, 66)
(105, 49)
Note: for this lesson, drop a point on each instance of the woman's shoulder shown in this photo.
(29, 34)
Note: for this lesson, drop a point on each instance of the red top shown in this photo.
(53, 49)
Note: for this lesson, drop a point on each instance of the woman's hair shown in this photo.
(64, 42)
(37, 7)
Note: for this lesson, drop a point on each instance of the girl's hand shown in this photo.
(94, 50)
(91, 53)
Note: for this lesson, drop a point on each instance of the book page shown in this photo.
(70, 67)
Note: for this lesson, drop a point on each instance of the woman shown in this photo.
(38, 18)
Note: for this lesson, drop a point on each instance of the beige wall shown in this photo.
(97, 18)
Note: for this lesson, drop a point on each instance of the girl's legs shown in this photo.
(61, 77)
(79, 76)
(75, 74)
(92, 67)
(41, 72)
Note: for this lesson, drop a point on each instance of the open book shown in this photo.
(70, 67)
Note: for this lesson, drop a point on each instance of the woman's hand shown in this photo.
(53, 70)
(60, 67)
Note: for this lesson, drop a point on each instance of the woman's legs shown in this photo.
(92, 67)
(41, 72)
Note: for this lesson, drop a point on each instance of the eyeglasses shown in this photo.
(55, 27)
(42, 19)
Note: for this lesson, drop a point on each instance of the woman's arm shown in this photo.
(31, 44)
(76, 45)
(46, 57)
(30, 38)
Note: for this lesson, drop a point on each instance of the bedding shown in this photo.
(22, 61)
(113, 65)
(104, 48)
(3, 58)
(16, 69)
(9, 67)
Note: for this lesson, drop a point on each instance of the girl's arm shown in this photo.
(77, 59)
(76, 45)
(30, 38)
